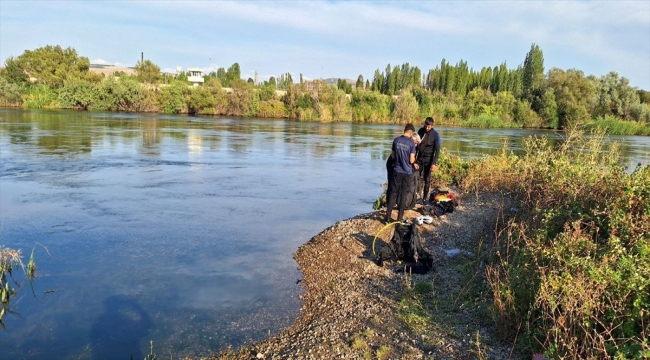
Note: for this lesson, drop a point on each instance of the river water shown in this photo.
(181, 229)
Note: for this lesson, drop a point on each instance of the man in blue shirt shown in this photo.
(403, 152)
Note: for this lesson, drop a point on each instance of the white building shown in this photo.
(195, 76)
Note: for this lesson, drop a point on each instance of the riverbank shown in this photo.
(355, 309)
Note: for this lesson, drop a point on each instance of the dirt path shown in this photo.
(355, 309)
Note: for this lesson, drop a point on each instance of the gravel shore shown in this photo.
(354, 309)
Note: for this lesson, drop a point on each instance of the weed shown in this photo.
(384, 352)
(151, 355)
(9, 260)
(423, 288)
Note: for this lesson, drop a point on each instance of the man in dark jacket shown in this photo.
(403, 152)
(428, 153)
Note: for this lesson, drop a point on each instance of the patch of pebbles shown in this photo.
(347, 296)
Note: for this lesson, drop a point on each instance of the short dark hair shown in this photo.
(408, 127)
(428, 121)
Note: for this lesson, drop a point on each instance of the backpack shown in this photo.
(406, 246)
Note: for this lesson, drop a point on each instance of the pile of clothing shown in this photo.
(442, 202)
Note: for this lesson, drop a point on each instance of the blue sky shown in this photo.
(338, 38)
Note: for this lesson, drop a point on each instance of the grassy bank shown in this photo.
(569, 271)
(615, 126)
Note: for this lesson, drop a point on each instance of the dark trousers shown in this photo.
(425, 175)
(389, 171)
(401, 185)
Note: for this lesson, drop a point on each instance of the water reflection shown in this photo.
(120, 329)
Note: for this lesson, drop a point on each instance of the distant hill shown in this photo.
(334, 81)
(107, 70)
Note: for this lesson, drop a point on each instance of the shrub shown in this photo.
(172, 99)
(569, 273)
(201, 100)
(40, 97)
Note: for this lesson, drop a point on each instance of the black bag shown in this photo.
(406, 246)
(441, 207)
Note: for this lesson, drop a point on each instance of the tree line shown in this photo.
(455, 95)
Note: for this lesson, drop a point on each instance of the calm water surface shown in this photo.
(178, 229)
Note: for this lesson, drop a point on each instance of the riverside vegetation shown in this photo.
(11, 260)
(569, 271)
(51, 77)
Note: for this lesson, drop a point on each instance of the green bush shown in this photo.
(9, 93)
(40, 97)
(570, 273)
(201, 100)
(172, 99)
(76, 94)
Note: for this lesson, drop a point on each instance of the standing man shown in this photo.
(403, 152)
(428, 153)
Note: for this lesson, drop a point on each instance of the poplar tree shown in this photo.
(360, 82)
(233, 73)
(533, 76)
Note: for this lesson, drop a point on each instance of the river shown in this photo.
(181, 229)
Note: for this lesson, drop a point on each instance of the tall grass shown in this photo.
(570, 272)
(9, 260)
(616, 126)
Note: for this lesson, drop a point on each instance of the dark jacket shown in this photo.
(429, 148)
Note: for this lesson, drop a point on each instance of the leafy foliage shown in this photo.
(569, 271)
(51, 65)
(148, 72)
(455, 95)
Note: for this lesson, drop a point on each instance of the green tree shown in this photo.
(377, 81)
(233, 73)
(533, 72)
(574, 96)
(267, 92)
(342, 84)
(359, 84)
(548, 110)
(616, 97)
(13, 72)
(223, 78)
(148, 72)
(285, 81)
(406, 107)
(51, 65)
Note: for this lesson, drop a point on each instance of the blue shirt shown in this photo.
(403, 147)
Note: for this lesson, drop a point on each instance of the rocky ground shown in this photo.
(354, 309)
